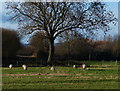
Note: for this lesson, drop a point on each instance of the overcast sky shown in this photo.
(113, 6)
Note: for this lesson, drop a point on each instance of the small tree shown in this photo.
(39, 44)
(53, 18)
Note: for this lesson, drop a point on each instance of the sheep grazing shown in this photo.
(87, 68)
(84, 66)
(10, 66)
(116, 61)
(52, 68)
(74, 66)
(24, 67)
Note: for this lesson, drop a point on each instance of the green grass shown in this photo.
(61, 78)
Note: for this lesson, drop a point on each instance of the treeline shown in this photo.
(85, 49)
(74, 46)
(71, 46)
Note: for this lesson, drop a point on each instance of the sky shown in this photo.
(5, 23)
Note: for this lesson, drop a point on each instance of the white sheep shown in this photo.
(87, 68)
(24, 67)
(84, 66)
(116, 61)
(10, 66)
(52, 68)
(74, 66)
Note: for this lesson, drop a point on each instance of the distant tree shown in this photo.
(10, 43)
(80, 48)
(40, 45)
(66, 39)
(102, 50)
(54, 18)
(116, 47)
(26, 50)
(76, 48)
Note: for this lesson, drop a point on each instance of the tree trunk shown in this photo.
(51, 53)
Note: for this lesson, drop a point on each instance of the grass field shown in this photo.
(104, 76)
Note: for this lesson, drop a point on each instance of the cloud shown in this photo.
(4, 23)
(9, 25)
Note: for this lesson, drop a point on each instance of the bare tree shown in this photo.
(53, 18)
(39, 43)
